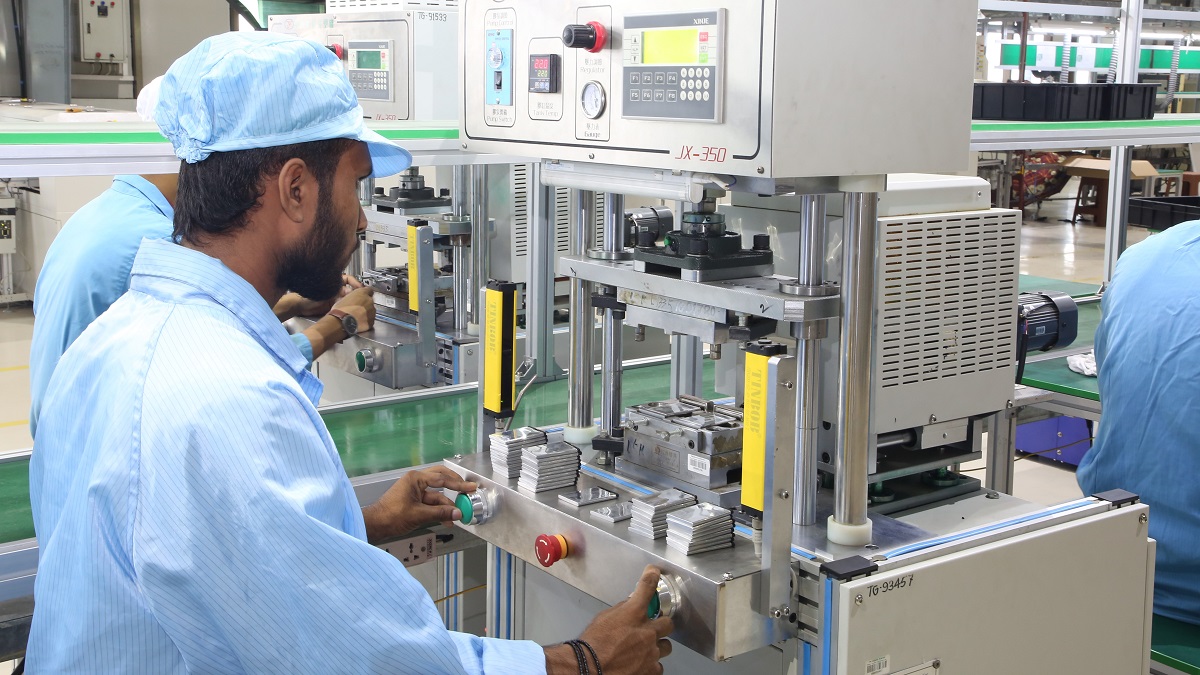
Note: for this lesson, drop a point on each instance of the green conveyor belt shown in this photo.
(16, 519)
(1029, 283)
(372, 440)
(394, 436)
(1176, 644)
(1054, 375)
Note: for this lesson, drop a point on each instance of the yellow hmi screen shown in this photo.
(670, 46)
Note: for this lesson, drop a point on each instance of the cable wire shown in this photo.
(516, 403)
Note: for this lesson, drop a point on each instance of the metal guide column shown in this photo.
(1116, 236)
(480, 244)
(460, 200)
(580, 423)
(687, 366)
(687, 353)
(539, 286)
(811, 265)
(849, 524)
(365, 260)
(611, 324)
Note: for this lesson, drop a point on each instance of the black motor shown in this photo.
(1045, 320)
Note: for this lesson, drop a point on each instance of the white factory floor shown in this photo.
(1050, 248)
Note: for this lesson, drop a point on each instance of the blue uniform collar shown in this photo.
(170, 272)
(147, 189)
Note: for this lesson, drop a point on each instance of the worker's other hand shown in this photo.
(315, 308)
(625, 639)
(360, 304)
(414, 501)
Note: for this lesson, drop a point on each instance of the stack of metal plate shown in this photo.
(507, 446)
(649, 514)
(549, 467)
(699, 529)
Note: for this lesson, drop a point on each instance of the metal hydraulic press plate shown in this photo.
(715, 617)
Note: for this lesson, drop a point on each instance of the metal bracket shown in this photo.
(426, 307)
(848, 568)
(1118, 497)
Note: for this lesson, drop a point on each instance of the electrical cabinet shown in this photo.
(103, 30)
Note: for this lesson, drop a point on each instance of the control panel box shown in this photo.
(400, 62)
(103, 30)
(8, 226)
(760, 88)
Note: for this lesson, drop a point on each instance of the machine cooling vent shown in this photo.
(520, 213)
(599, 220)
(948, 285)
(562, 224)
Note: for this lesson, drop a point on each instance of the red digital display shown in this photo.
(543, 73)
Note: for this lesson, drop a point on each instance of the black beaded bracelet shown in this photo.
(580, 659)
(594, 656)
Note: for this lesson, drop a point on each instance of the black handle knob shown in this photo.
(762, 242)
(579, 36)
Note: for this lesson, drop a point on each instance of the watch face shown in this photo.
(350, 324)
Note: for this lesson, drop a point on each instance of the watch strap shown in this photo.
(341, 316)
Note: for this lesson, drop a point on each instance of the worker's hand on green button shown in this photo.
(414, 501)
(465, 507)
(627, 640)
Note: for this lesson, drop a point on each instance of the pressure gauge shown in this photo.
(593, 99)
(495, 56)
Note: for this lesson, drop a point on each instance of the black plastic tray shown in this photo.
(1130, 101)
(1047, 102)
(1051, 102)
(1160, 213)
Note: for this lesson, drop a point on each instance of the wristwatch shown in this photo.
(349, 323)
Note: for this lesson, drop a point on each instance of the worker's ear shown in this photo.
(297, 191)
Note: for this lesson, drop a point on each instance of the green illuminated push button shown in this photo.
(665, 600)
(364, 360)
(476, 507)
(463, 502)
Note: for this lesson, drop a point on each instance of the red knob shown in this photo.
(601, 36)
(550, 548)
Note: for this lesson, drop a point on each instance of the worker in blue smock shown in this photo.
(87, 269)
(1148, 442)
(192, 512)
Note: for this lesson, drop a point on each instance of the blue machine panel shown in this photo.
(498, 86)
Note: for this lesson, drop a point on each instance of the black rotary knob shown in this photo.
(762, 242)
(579, 36)
(590, 36)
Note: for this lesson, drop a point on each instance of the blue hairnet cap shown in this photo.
(247, 90)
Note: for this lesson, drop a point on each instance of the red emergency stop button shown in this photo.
(550, 548)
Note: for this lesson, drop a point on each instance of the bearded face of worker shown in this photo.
(299, 200)
(313, 267)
